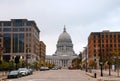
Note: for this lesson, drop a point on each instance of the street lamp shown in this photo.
(101, 56)
(86, 58)
(27, 56)
(101, 64)
(115, 64)
(1, 49)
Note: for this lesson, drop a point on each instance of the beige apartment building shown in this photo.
(42, 51)
(19, 37)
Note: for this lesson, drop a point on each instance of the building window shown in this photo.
(0, 40)
(114, 45)
(114, 36)
(119, 40)
(106, 36)
(29, 34)
(21, 42)
(102, 41)
(94, 41)
(29, 29)
(6, 29)
(15, 29)
(26, 45)
(15, 43)
(0, 24)
(28, 23)
(94, 36)
(6, 23)
(110, 45)
(18, 43)
(110, 40)
(103, 45)
(118, 45)
(102, 36)
(119, 35)
(106, 41)
(29, 45)
(7, 42)
(27, 39)
(0, 29)
(18, 23)
(114, 40)
(26, 29)
(110, 36)
(21, 30)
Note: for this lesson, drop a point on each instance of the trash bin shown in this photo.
(95, 75)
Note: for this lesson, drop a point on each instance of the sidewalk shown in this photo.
(3, 75)
(105, 76)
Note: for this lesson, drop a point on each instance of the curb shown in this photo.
(103, 78)
(90, 74)
(108, 79)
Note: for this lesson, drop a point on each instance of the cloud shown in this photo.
(80, 16)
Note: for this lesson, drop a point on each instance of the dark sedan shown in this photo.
(14, 74)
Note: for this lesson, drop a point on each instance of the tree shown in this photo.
(108, 58)
(4, 65)
(1, 49)
(117, 57)
(11, 65)
(76, 63)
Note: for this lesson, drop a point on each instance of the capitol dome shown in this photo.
(64, 37)
(64, 45)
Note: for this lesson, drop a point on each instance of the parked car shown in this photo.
(30, 71)
(23, 71)
(14, 74)
(44, 68)
(54, 68)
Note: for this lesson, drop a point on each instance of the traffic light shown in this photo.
(17, 59)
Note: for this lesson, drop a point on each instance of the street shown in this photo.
(56, 75)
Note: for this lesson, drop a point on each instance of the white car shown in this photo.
(23, 71)
(43, 68)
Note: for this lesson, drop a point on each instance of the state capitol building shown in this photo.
(64, 51)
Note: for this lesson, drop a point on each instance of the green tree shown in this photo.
(117, 57)
(4, 65)
(108, 58)
(76, 63)
(12, 64)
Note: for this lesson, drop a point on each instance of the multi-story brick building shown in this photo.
(42, 51)
(19, 37)
(102, 43)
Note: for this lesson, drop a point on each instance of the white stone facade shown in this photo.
(64, 54)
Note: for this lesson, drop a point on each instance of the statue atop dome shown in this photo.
(64, 28)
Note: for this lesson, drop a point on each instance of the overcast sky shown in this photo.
(81, 17)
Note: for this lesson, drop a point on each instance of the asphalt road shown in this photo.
(56, 75)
